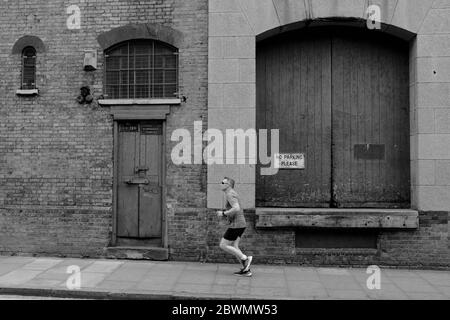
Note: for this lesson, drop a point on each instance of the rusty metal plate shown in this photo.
(369, 151)
(151, 129)
(128, 127)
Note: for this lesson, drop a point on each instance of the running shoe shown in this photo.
(248, 262)
(243, 273)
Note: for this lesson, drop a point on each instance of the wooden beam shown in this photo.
(337, 218)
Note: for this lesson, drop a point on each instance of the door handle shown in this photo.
(137, 181)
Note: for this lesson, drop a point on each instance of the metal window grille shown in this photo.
(29, 68)
(141, 69)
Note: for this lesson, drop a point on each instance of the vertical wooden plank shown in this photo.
(337, 111)
(116, 181)
(260, 115)
(127, 194)
(150, 209)
(165, 242)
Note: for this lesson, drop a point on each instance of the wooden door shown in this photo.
(370, 121)
(294, 96)
(342, 98)
(139, 182)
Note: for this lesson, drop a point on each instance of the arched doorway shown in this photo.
(341, 97)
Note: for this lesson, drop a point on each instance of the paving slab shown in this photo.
(269, 292)
(7, 267)
(131, 274)
(436, 278)
(413, 285)
(444, 290)
(42, 264)
(305, 286)
(53, 275)
(223, 289)
(103, 266)
(18, 277)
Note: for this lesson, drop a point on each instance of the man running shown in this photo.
(235, 215)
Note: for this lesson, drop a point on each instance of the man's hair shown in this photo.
(231, 181)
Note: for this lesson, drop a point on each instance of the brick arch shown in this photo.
(28, 41)
(140, 31)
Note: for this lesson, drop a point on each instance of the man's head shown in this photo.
(226, 183)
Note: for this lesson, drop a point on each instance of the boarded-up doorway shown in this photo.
(341, 97)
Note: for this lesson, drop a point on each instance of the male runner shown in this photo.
(235, 215)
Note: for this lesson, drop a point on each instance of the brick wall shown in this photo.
(425, 247)
(56, 156)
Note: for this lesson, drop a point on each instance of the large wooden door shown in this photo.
(139, 180)
(341, 98)
(294, 95)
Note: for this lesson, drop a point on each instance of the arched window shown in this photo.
(141, 69)
(29, 68)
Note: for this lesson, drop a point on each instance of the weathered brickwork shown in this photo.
(55, 231)
(56, 156)
(425, 247)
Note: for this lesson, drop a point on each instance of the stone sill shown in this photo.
(137, 253)
(337, 218)
(117, 102)
(27, 92)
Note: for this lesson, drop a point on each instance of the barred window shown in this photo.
(141, 69)
(28, 68)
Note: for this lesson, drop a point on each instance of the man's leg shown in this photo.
(236, 245)
(247, 262)
(228, 246)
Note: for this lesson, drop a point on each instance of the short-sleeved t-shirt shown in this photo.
(237, 219)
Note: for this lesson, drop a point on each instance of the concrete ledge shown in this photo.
(126, 102)
(337, 218)
(27, 92)
(137, 253)
(139, 112)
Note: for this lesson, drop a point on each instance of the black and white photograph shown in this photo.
(239, 154)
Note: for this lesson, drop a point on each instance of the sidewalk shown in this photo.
(184, 280)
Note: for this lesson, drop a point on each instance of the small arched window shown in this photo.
(29, 68)
(141, 69)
